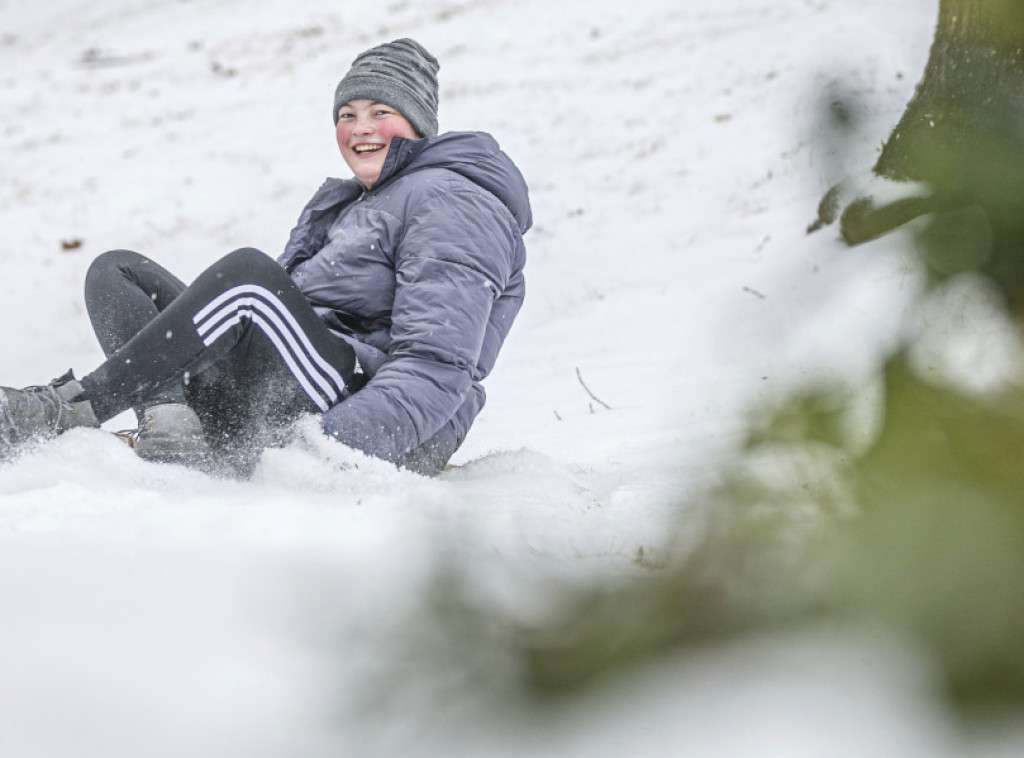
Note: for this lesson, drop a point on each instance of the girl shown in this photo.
(387, 308)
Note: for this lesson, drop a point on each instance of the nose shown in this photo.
(363, 126)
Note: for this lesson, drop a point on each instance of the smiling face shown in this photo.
(365, 130)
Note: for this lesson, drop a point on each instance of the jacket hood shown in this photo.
(474, 155)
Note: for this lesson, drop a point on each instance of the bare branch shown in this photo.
(592, 395)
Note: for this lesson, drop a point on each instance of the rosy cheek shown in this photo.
(390, 129)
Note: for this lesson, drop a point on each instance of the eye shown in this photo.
(345, 115)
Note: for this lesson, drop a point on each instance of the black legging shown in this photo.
(241, 345)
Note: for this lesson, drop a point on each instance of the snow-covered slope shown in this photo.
(675, 154)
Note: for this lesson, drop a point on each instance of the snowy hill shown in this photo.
(675, 154)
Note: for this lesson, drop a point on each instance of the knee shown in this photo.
(246, 262)
(248, 255)
(110, 262)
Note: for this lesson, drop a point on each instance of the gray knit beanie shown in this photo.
(401, 74)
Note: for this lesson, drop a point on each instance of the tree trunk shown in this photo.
(958, 151)
(973, 83)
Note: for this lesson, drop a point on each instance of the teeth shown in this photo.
(367, 148)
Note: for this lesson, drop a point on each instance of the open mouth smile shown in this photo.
(366, 149)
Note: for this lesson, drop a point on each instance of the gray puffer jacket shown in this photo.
(423, 276)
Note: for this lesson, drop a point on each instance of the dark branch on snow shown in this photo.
(592, 395)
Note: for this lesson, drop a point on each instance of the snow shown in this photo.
(675, 152)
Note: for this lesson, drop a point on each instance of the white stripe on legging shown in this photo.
(267, 312)
(322, 400)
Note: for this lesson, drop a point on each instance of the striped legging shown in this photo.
(241, 345)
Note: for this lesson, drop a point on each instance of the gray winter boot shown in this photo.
(41, 412)
(171, 433)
